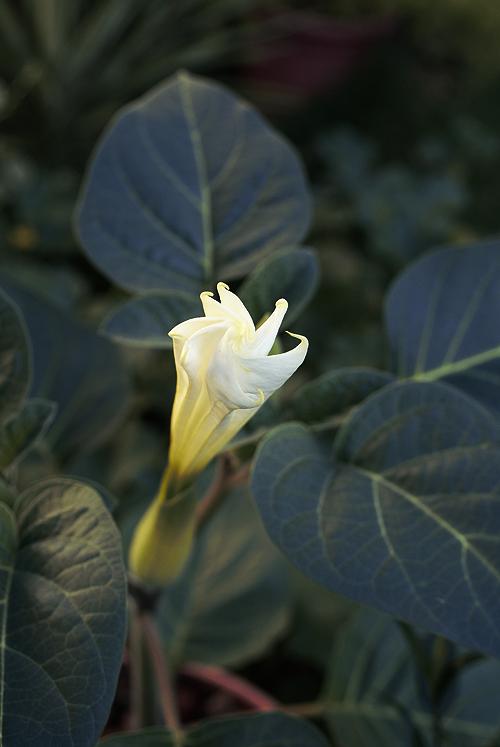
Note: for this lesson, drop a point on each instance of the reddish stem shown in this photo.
(162, 673)
(209, 501)
(226, 477)
(236, 686)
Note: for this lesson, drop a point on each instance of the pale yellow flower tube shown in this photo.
(224, 375)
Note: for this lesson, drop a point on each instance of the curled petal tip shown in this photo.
(298, 337)
(224, 286)
(281, 303)
(207, 294)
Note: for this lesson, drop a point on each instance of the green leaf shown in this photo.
(373, 695)
(146, 320)
(442, 320)
(82, 372)
(190, 185)
(292, 275)
(234, 598)
(256, 730)
(405, 516)
(15, 358)
(20, 432)
(62, 615)
(335, 392)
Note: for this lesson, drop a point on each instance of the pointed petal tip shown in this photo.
(302, 338)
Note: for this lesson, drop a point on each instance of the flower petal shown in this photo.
(212, 308)
(192, 403)
(271, 372)
(225, 431)
(265, 335)
(188, 328)
(232, 303)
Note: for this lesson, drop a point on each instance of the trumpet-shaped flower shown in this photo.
(224, 375)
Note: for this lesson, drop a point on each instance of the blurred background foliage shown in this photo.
(394, 105)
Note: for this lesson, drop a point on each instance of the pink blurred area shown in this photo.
(303, 53)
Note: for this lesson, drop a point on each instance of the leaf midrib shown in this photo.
(205, 201)
(464, 364)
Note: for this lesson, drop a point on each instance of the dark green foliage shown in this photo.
(374, 695)
(145, 320)
(442, 320)
(79, 370)
(289, 274)
(264, 730)
(19, 432)
(336, 391)
(21, 422)
(156, 217)
(15, 358)
(62, 615)
(404, 516)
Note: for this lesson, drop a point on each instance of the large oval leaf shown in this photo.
(260, 730)
(234, 598)
(442, 320)
(14, 358)
(408, 521)
(62, 615)
(374, 695)
(188, 186)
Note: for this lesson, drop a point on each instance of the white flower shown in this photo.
(224, 375)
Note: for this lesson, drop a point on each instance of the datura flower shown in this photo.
(224, 375)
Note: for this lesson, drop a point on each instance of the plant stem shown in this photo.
(224, 480)
(209, 501)
(232, 684)
(239, 477)
(162, 673)
(136, 669)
